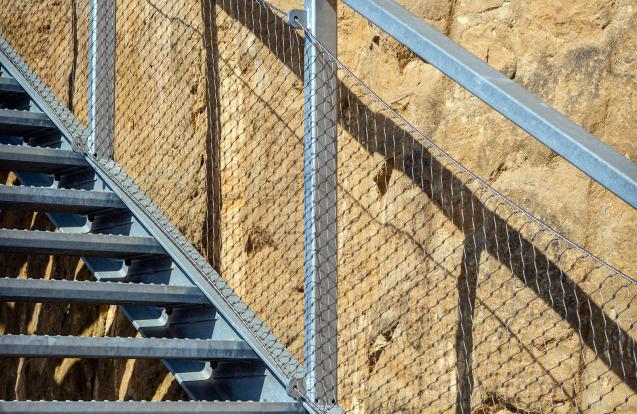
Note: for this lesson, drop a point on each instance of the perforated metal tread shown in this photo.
(124, 407)
(16, 122)
(40, 346)
(71, 291)
(77, 244)
(32, 159)
(57, 199)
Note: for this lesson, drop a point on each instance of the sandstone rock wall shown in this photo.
(213, 134)
(576, 55)
(405, 288)
(52, 35)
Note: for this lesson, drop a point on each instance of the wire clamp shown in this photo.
(296, 388)
(297, 18)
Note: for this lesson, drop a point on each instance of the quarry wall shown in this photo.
(203, 132)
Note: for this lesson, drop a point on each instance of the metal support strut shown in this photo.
(320, 204)
(101, 80)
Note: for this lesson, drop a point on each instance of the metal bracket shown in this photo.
(297, 18)
(296, 388)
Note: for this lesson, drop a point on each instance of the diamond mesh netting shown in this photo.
(449, 297)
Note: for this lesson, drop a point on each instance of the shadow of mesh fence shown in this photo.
(450, 298)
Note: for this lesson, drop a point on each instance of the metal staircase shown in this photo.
(182, 318)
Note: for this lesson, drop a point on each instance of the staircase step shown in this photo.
(34, 159)
(16, 122)
(10, 85)
(71, 291)
(40, 346)
(77, 244)
(12, 95)
(124, 407)
(226, 367)
(57, 200)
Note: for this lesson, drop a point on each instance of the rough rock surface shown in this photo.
(402, 252)
(579, 57)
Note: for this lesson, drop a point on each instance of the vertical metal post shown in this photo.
(320, 204)
(101, 79)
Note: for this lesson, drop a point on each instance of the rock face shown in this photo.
(450, 298)
(577, 56)
(409, 303)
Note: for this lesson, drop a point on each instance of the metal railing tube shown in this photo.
(598, 160)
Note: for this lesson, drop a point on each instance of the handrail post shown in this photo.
(101, 79)
(320, 229)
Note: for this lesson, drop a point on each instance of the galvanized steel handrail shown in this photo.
(585, 151)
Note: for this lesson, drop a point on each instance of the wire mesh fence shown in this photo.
(53, 37)
(449, 297)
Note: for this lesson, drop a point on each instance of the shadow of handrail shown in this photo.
(458, 202)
